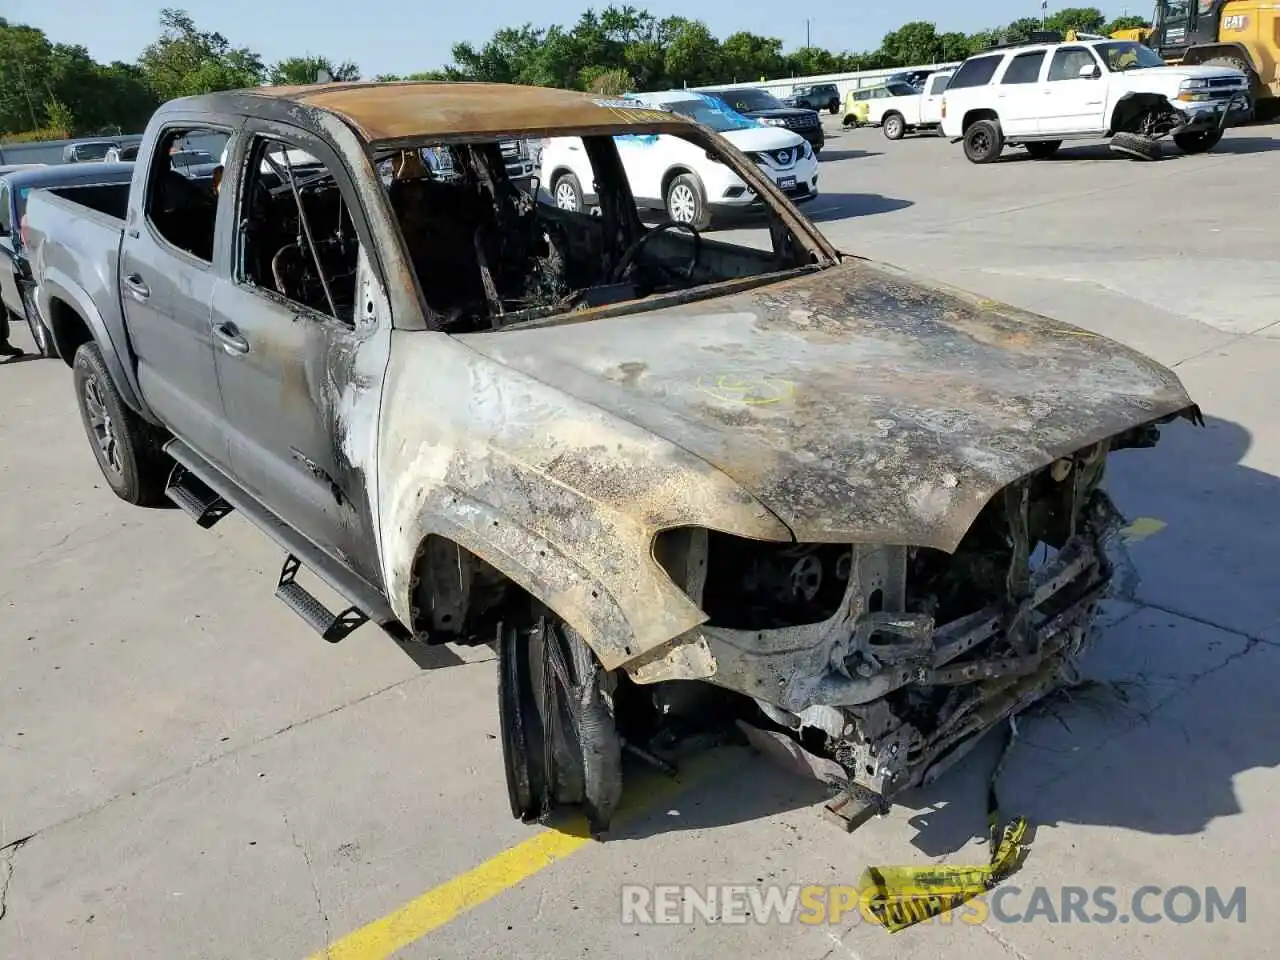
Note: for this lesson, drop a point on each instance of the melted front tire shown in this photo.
(560, 742)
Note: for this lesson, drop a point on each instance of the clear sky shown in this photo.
(403, 36)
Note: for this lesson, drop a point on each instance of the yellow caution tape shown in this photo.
(900, 897)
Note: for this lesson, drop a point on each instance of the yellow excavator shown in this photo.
(1244, 34)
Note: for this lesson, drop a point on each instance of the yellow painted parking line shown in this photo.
(442, 904)
(1142, 528)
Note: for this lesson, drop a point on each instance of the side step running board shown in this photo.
(195, 497)
(332, 626)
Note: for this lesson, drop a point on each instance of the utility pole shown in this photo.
(806, 33)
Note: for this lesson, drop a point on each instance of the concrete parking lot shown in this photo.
(187, 771)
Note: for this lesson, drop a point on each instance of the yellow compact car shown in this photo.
(857, 107)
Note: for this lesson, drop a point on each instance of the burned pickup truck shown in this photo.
(628, 454)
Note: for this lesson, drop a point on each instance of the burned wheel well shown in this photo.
(70, 331)
(1133, 107)
(458, 597)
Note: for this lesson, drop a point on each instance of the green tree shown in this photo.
(1083, 19)
(747, 56)
(1125, 23)
(186, 61)
(913, 43)
(693, 54)
(302, 70)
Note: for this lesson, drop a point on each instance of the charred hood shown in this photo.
(857, 404)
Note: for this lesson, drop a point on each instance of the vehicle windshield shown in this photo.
(93, 151)
(750, 99)
(712, 113)
(1127, 55)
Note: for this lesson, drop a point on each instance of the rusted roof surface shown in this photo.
(425, 109)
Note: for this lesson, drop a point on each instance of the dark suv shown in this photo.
(764, 107)
(818, 96)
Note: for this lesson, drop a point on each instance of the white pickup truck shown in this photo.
(1039, 95)
(897, 108)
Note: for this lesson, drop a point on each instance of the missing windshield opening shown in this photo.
(607, 221)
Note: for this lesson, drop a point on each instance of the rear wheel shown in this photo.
(1200, 142)
(833, 107)
(1136, 146)
(566, 191)
(1042, 149)
(894, 127)
(127, 448)
(687, 202)
(983, 141)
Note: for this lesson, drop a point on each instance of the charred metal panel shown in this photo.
(858, 404)
(562, 497)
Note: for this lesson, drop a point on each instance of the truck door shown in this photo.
(931, 99)
(287, 336)
(1019, 100)
(9, 296)
(1074, 93)
(166, 275)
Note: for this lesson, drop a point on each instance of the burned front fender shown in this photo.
(559, 496)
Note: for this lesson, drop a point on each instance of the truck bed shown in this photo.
(73, 237)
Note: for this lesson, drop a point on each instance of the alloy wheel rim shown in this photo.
(566, 198)
(104, 432)
(682, 204)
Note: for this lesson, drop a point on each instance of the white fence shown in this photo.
(844, 81)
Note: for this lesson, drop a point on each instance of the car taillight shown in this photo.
(944, 108)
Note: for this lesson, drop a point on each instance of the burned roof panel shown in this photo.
(408, 110)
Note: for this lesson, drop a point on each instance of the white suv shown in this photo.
(1039, 94)
(668, 172)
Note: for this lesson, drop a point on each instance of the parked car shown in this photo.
(675, 175)
(123, 153)
(898, 109)
(17, 291)
(1039, 95)
(87, 151)
(636, 460)
(764, 107)
(818, 96)
(912, 78)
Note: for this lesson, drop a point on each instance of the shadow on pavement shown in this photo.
(1153, 741)
(840, 206)
(1101, 151)
(1174, 717)
(828, 155)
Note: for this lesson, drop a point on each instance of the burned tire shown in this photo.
(127, 448)
(1201, 142)
(560, 743)
(1136, 146)
(1239, 63)
(894, 127)
(983, 141)
(1043, 149)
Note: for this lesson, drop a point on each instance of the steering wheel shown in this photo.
(634, 250)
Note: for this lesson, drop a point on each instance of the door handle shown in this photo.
(137, 287)
(229, 336)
